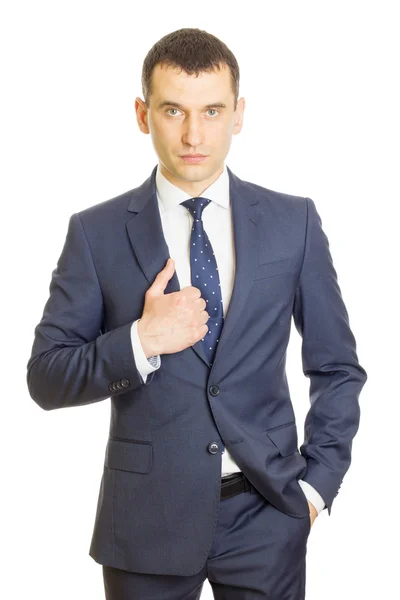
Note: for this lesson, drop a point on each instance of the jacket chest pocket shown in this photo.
(273, 268)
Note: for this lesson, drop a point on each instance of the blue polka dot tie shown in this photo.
(204, 274)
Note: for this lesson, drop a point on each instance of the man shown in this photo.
(202, 477)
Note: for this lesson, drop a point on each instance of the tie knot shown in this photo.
(196, 206)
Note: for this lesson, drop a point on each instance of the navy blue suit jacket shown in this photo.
(160, 487)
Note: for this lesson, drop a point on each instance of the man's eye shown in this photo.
(209, 110)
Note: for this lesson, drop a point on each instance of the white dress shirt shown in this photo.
(177, 225)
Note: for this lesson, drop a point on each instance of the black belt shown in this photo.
(234, 484)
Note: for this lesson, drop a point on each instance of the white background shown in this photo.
(321, 120)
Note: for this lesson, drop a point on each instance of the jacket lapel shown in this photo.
(148, 242)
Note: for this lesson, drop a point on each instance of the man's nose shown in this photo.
(193, 132)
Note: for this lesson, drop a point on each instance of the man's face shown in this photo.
(185, 117)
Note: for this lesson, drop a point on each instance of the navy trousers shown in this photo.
(258, 553)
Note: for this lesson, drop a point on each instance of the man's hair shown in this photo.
(191, 50)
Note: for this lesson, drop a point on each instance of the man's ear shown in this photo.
(239, 116)
(142, 115)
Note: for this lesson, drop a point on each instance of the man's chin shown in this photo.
(192, 172)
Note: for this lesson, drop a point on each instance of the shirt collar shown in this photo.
(170, 196)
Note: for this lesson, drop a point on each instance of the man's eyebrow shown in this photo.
(178, 105)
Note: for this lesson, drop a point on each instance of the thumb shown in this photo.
(162, 278)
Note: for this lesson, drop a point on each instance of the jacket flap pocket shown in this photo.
(285, 438)
(129, 456)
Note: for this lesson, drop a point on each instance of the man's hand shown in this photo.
(171, 322)
(313, 512)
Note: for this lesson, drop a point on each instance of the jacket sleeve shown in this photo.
(330, 361)
(72, 362)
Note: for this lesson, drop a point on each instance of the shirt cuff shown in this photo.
(312, 495)
(144, 365)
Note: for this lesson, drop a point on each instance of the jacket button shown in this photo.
(125, 382)
(119, 386)
(214, 390)
(213, 448)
